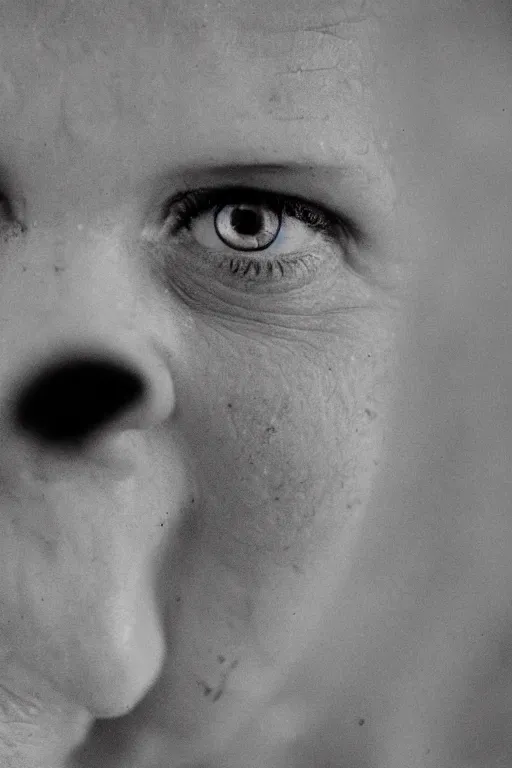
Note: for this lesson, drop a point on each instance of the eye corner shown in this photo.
(356, 232)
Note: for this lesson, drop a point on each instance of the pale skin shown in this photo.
(162, 597)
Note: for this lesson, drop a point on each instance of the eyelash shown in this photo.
(190, 205)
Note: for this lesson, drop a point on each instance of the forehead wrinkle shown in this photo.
(303, 14)
(305, 74)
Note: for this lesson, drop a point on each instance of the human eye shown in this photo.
(255, 236)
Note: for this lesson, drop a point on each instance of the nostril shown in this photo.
(68, 402)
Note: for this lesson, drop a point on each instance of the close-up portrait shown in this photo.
(255, 357)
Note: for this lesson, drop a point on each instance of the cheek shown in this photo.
(283, 441)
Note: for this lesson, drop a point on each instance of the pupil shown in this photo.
(246, 222)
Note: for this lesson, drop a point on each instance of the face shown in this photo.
(202, 272)
(196, 228)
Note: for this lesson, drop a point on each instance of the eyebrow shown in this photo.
(324, 170)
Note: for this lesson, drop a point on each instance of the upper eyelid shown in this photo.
(219, 190)
(344, 221)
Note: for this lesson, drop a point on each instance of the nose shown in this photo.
(69, 401)
(62, 414)
(79, 395)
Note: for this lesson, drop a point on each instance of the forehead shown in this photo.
(222, 60)
(213, 34)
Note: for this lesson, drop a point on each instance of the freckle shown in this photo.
(230, 405)
(221, 659)
(361, 721)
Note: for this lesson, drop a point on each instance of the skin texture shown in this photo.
(156, 591)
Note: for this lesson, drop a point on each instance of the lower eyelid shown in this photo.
(268, 266)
